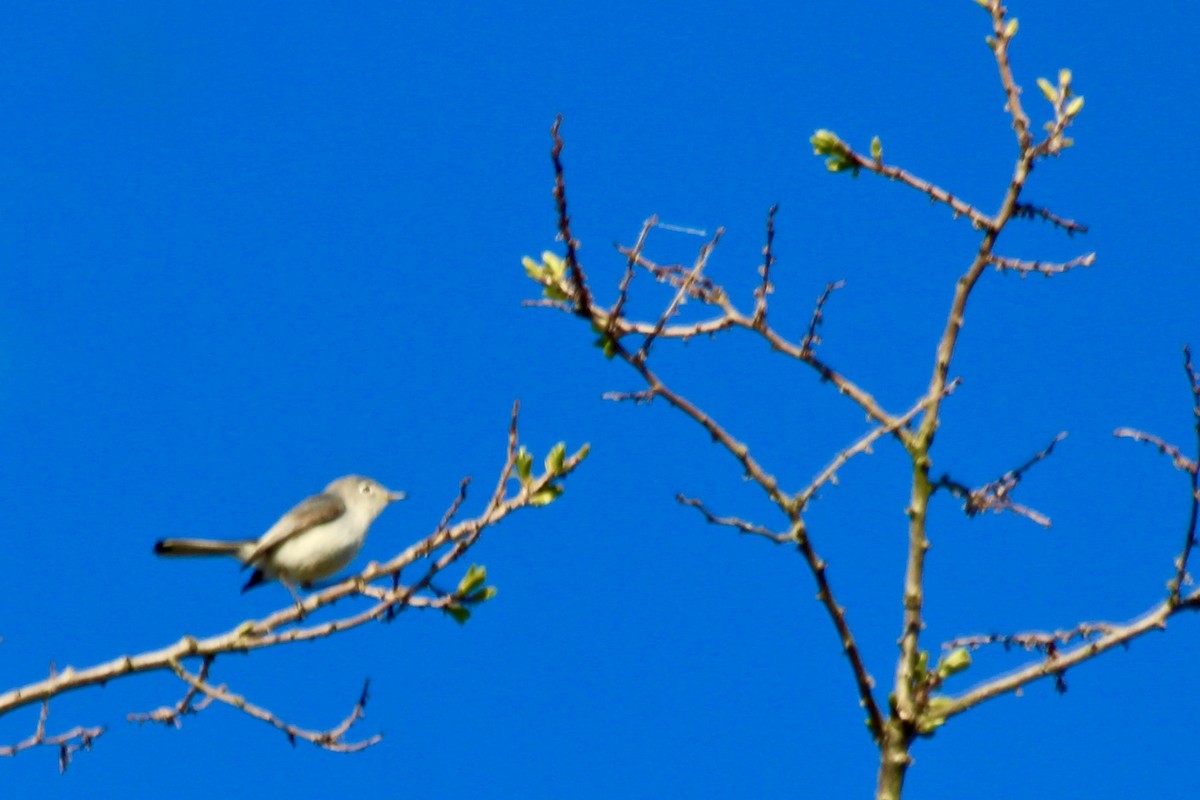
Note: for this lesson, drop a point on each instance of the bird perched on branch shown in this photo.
(316, 539)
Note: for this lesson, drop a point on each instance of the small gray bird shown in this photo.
(317, 538)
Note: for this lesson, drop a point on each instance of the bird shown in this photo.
(315, 539)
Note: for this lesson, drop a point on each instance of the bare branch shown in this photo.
(1188, 465)
(1047, 268)
(68, 743)
(837, 614)
(936, 194)
(630, 266)
(1044, 642)
(863, 445)
(332, 739)
(1002, 33)
(1030, 211)
(680, 293)
(740, 525)
(582, 294)
(1180, 461)
(1153, 620)
(810, 341)
(172, 715)
(765, 288)
(1189, 541)
(996, 496)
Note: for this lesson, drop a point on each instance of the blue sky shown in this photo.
(249, 249)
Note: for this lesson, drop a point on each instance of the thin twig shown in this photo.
(936, 194)
(810, 341)
(765, 288)
(630, 266)
(68, 742)
(996, 495)
(1047, 268)
(1189, 541)
(1153, 620)
(332, 739)
(1030, 211)
(740, 525)
(680, 293)
(1001, 36)
(1180, 461)
(582, 294)
(171, 715)
(1044, 642)
(862, 445)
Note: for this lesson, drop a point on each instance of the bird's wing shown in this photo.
(316, 510)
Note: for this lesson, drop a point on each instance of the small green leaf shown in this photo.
(607, 345)
(554, 461)
(483, 595)
(877, 149)
(934, 716)
(827, 143)
(555, 266)
(583, 452)
(524, 464)
(1010, 30)
(554, 292)
(1048, 90)
(474, 578)
(922, 667)
(1074, 107)
(1064, 78)
(984, 4)
(954, 662)
(460, 614)
(532, 268)
(838, 164)
(545, 496)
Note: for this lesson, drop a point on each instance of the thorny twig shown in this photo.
(810, 341)
(996, 496)
(1047, 268)
(1044, 642)
(1190, 466)
(765, 288)
(740, 525)
(68, 742)
(1030, 211)
(682, 292)
(332, 739)
(863, 445)
(172, 715)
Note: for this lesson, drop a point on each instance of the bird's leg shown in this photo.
(295, 596)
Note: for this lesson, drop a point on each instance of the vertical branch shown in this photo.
(760, 294)
(582, 295)
(1002, 34)
(631, 263)
(1176, 584)
(681, 293)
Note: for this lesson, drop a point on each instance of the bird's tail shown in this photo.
(199, 547)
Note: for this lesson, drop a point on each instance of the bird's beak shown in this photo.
(395, 496)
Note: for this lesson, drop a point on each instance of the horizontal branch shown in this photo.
(1153, 620)
(269, 631)
(1047, 268)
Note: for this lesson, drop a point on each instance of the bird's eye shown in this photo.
(365, 488)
